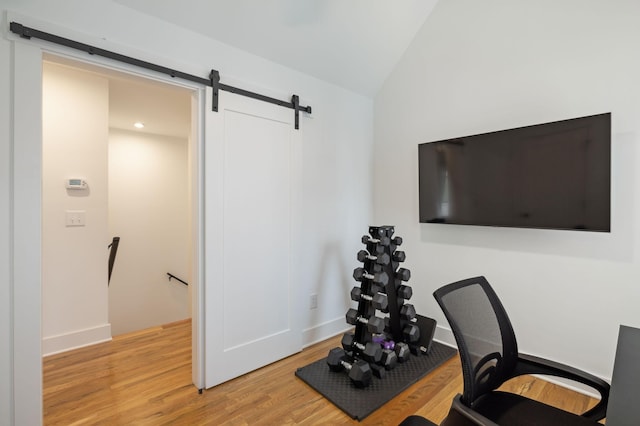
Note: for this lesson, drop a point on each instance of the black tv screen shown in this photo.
(554, 176)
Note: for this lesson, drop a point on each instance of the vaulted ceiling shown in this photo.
(351, 43)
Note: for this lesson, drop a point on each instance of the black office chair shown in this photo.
(489, 356)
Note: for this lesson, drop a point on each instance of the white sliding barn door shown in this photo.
(251, 307)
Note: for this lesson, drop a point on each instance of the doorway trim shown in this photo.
(26, 195)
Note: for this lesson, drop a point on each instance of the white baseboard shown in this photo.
(75, 339)
(324, 331)
(445, 336)
(574, 386)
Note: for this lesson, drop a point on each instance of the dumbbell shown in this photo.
(397, 241)
(407, 312)
(411, 332)
(380, 231)
(381, 259)
(383, 241)
(398, 256)
(371, 352)
(404, 292)
(389, 357)
(378, 339)
(403, 274)
(417, 349)
(378, 370)
(374, 324)
(359, 371)
(402, 351)
(378, 277)
(378, 300)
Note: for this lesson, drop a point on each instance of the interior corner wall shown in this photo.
(477, 67)
(149, 211)
(74, 258)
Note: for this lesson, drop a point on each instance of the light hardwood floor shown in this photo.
(144, 378)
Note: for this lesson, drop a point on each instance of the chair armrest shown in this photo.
(528, 364)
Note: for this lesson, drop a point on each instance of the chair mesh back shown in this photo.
(483, 332)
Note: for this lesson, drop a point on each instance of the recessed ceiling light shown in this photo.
(138, 125)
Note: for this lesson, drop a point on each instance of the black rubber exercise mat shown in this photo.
(359, 403)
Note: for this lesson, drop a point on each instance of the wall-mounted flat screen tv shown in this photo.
(553, 176)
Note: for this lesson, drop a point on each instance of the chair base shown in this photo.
(417, 421)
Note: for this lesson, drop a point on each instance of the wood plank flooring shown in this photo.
(144, 378)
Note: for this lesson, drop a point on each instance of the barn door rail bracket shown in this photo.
(294, 104)
(213, 80)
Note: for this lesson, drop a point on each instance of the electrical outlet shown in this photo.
(313, 301)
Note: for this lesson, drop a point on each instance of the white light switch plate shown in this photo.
(75, 217)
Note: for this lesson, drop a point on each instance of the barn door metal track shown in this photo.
(213, 80)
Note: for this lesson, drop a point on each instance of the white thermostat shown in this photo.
(76, 183)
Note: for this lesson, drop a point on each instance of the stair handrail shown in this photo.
(173, 276)
(113, 249)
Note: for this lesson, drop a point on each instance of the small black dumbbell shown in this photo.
(379, 231)
(407, 312)
(383, 241)
(404, 292)
(378, 277)
(378, 371)
(398, 256)
(359, 371)
(411, 333)
(369, 352)
(403, 274)
(389, 359)
(378, 300)
(403, 352)
(417, 349)
(374, 324)
(397, 241)
(381, 259)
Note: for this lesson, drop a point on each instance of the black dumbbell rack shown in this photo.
(399, 322)
(381, 288)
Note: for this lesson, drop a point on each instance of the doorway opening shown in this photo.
(136, 183)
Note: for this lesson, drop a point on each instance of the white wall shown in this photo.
(336, 152)
(74, 259)
(6, 206)
(482, 66)
(149, 211)
(337, 136)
